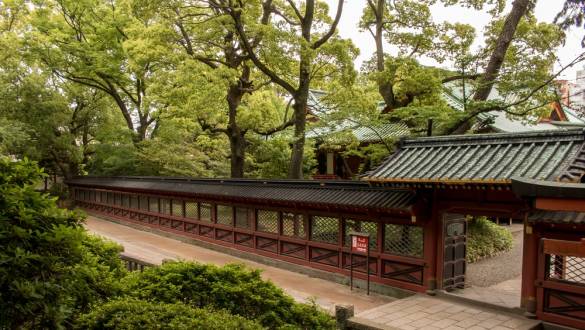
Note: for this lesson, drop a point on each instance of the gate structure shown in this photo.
(454, 256)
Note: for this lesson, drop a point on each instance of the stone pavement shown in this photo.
(155, 248)
(506, 293)
(426, 312)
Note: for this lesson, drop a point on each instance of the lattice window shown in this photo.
(368, 227)
(566, 268)
(134, 202)
(92, 195)
(117, 199)
(403, 240)
(125, 200)
(242, 220)
(325, 229)
(224, 215)
(144, 203)
(267, 221)
(205, 210)
(153, 204)
(165, 206)
(191, 210)
(178, 208)
(293, 225)
(110, 198)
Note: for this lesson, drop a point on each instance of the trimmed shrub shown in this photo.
(50, 268)
(486, 239)
(233, 287)
(130, 314)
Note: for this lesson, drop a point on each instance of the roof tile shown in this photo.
(484, 157)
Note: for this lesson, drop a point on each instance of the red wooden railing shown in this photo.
(394, 270)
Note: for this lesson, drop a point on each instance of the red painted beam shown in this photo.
(558, 204)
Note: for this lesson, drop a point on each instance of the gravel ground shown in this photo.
(500, 268)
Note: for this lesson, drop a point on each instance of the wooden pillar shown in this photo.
(432, 237)
(529, 268)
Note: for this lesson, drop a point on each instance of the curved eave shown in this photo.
(523, 187)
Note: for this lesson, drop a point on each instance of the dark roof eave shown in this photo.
(407, 211)
(523, 187)
(449, 182)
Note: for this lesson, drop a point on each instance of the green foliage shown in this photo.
(486, 239)
(233, 287)
(51, 269)
(129, 314)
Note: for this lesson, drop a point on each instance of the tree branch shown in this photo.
(259, 64)
(333, 27)
(275, 129)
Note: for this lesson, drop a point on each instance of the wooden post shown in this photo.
(529, 268)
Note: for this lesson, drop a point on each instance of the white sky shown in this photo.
(545, 11)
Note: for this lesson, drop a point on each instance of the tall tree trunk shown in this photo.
(486, 82)
(488, 79)
(235, 134)
(295, 170)
(384, 87)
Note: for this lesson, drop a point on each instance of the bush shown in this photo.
(486, 239)
(51, 269)
(137, 314)
(233, 288)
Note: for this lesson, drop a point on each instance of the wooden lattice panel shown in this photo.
(244, 239)
(191, 228)
(402, 272)
(359, 263)
(206, 231)
(293, 250)
(267, 244)
(325, 256)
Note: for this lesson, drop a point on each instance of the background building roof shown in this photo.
(487, 158)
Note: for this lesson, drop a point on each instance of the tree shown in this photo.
(51, 270)
(92, 43)
(496, 60)
(302, 32)
(205, 36)
(407, 25)
(524, 78)
(572, 14)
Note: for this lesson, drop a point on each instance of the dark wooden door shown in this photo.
(454, 245)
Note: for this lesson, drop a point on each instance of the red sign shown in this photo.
(359, 244)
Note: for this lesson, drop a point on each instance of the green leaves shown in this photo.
(232, 288)
(50, 268)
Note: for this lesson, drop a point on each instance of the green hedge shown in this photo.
(486, 239)
(54, 275)
(130, 314)
(51, 269)
(234, 288)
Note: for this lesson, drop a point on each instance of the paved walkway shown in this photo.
(154, 249)
(416, 312)
(497, 280)
(431, 313)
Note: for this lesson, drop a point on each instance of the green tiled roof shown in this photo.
(362, 134)
(482, 158)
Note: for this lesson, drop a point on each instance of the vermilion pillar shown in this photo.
(529, 268)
